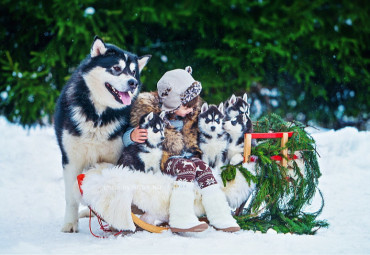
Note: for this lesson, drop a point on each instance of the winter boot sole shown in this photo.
(230, 229)
(198, 228)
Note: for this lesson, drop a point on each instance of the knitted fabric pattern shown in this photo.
(190, 170)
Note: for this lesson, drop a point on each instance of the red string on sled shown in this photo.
(103, 227)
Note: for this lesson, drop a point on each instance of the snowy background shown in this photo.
(32, 205)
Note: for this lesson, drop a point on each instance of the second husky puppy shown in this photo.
(236, 127)
(237, 105)
(212, 137)
(146, 156)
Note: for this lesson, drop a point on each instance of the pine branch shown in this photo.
(281, 193)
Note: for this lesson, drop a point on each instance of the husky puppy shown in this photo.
(92, 113)
(236, 127)
(212, 136)
(146, 156)
(237, 105)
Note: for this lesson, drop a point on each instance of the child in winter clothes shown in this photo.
(178, 95)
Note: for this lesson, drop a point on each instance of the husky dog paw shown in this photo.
(236, 159)
(70, 228)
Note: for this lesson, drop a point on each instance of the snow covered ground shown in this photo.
(32, 205)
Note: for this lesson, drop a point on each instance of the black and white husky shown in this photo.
(236, 127)
(212, 136)
(237, 105)
(146, 156)
(92, 114)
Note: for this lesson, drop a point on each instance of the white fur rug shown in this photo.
(111, 190)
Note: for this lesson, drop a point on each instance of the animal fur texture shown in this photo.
(236, 106)
(146, 156)
(236, 128)
(92, 113)
(212, 137)
(111, 190)
(236, 123)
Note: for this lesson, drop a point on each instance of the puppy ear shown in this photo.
(221, 108)
(149, 117)
(142, 61)
(245, 97)
(162, 114)
(189, 69)
(232, 100)
(204, 108)
(98, 48)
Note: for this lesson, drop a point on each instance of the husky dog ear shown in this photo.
(142, 61)
(204, 108)
(98, 48)
(232, 100)
(245, 97)
(189, 69)
(162, 115)
(221, 108)
(149, 117)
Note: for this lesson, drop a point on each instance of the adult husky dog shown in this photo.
(146, 156)
(92, 114)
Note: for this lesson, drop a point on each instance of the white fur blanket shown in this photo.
(111, 190)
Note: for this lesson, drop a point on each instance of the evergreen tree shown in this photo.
(305, 60)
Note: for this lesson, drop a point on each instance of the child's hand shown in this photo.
(139, 135)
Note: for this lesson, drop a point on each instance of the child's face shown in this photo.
(183, 111)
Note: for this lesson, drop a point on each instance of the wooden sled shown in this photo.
(247, 153)
(284, 151)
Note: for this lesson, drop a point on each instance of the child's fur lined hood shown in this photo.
(176, 142)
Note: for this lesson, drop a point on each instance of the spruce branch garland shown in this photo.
(281, 193)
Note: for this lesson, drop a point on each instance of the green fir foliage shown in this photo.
(281, 193)
(313, 55)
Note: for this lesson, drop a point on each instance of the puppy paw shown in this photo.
(70, 228)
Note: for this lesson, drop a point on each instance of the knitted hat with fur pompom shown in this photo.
(177, 87)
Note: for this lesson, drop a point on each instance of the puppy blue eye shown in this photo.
(233, 122)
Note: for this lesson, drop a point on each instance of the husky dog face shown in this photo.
(236, 105)
(210, 119)
(155, 125)
(112, 74)
(237, 125)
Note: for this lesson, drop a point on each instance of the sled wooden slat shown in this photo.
(270, 135)
(284, 139)
(147, 226)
